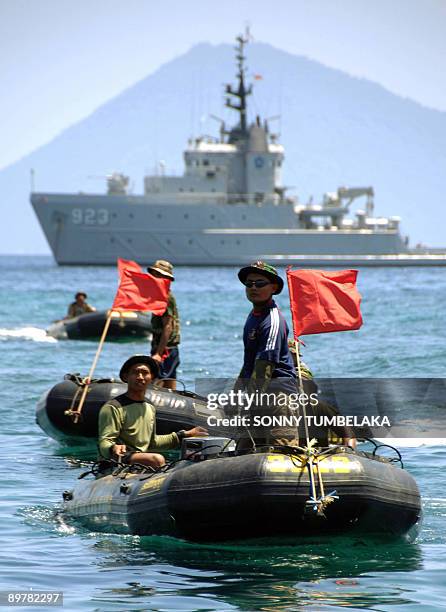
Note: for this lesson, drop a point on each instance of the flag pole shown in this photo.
(75, 414)
(299, 368)
(304, 412)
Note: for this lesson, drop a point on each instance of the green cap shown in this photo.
(262, 268)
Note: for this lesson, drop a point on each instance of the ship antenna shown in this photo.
(242, 92)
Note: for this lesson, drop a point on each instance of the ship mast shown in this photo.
(242, 92)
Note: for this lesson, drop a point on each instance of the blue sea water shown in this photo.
(403, 336)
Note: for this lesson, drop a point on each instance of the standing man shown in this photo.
(268, 368)
(79, 306)
(324, 435)
(127, 423)
(166, 331)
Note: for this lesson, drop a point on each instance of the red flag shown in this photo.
(127, 264)
(324, 301)
(139, 291)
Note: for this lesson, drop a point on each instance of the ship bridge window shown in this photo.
(190, 241)
(159, 215)
(131, 215)
(186, 216)
(212, 216)
(205, 162)
(114, 215)
(180, 189)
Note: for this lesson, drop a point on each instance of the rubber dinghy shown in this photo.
(90, 326)
(175, 410)
(260, 494)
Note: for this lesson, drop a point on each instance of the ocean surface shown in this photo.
(403, 336)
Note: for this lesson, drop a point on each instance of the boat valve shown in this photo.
(125, 488)
(67, 495)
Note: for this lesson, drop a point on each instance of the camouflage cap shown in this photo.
(266, 270)
(163, 267)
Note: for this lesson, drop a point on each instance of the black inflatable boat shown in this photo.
(230, 496)
(175, 410)
(90, 325)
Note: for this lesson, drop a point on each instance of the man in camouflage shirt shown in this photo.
(166, 331)
(79, 306)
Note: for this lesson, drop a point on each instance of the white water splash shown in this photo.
(62, 526)
(27, 333)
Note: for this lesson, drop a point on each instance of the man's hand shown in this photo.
(119, 450)
(196, 432)
(157, 357)
(351, 442)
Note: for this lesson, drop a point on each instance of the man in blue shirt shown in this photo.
(268, 371)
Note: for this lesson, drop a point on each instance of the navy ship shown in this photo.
(228, 208)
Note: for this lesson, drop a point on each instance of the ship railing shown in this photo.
(201, 197)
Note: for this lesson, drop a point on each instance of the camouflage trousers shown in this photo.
(267, 424)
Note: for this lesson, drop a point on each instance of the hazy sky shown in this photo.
(61, 59)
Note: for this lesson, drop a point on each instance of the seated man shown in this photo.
(127, 423)
(79, 306)
(324, 435)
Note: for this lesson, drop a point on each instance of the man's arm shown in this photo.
(165, 335)
(172, 440)
(239, 384)
(344, 432)
(109, 426)
(162, 442)
(90, 308)
(70, 312)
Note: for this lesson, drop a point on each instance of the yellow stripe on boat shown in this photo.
(338, 464)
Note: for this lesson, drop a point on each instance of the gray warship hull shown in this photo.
(96, 229)
(228, 208)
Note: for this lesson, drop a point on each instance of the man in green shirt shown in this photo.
(127, 423)
(166, 331)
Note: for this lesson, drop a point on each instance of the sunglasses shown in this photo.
(258, 284)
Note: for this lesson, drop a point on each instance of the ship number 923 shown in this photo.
(90, 216)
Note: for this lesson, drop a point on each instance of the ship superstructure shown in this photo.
(228, 208)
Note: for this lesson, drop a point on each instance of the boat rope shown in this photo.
(74, 411)
(311, 457)
(159, 383)
(317, 504)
